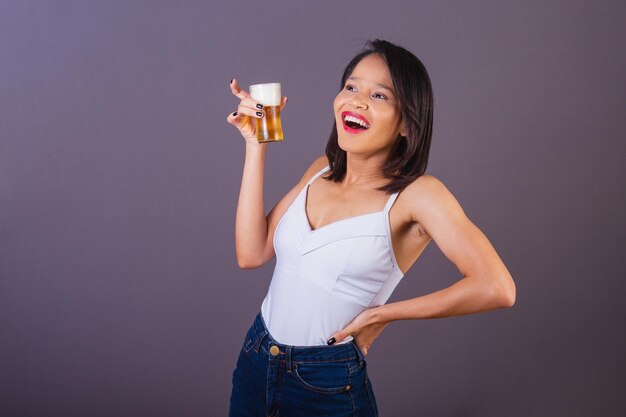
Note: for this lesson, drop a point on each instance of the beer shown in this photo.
(268, 127)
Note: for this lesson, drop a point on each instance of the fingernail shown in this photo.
(259, 113)
(235, 114)
(259, 106)
(287, 99)
(331, 341)
(231, 81)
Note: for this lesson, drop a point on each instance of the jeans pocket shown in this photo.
(358, 372)
(358, 348)
(324, 377)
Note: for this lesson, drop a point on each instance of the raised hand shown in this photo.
(248, 109)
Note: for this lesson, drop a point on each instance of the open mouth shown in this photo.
(354, 123)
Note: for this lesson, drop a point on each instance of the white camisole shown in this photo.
(325, 277)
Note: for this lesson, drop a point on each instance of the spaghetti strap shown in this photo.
(320, 172)
(390, 201)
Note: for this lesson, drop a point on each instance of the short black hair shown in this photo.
(409, 155)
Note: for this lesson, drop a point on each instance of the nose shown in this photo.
(357, 102)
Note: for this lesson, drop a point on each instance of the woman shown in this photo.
(343, 242)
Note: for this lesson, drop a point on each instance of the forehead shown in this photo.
(372, 69)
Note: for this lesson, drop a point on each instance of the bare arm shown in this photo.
(486, 282)
(250, 222)
(251, 225)
(254, 231)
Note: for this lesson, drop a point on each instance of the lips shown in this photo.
(349, 129)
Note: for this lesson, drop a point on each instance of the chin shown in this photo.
(341, 142)
(347, 145)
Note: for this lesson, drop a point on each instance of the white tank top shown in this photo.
(325, 277)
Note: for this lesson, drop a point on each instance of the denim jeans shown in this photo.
(272, 379)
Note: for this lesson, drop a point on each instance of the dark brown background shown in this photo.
(119, 176)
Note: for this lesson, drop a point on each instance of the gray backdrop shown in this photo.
(120, 293)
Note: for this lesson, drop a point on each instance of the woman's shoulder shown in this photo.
(320, 162)
(425, 184)
(316, 166)
(422, 190)
(427, 194)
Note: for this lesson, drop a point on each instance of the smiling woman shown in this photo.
(343, 241)
(393, 86)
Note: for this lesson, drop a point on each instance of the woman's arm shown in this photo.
(250, 222)
(254, 231)
(486, 282)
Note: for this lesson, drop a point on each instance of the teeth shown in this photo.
(356, 120)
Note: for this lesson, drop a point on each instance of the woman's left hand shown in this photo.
(365, 328)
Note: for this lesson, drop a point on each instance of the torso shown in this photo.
(328, 202)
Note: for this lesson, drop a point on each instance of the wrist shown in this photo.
(379, 315)
(256, 146)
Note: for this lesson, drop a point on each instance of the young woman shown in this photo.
(343, 241)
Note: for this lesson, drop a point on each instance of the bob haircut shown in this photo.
(409, 155)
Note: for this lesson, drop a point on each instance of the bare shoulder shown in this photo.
(426, 183)
(319, 163)
(429, 199)
(314, 167)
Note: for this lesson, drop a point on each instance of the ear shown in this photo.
(403, 130)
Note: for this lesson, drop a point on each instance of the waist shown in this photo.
(263, 340)
(300, 312)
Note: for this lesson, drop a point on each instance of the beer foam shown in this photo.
(268, 94)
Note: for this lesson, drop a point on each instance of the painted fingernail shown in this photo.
(259, 113)
(259, 106)
(287, 99)
(235, 114)
(330, 341)
(231, 81)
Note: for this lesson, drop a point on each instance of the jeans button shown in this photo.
(274, 350)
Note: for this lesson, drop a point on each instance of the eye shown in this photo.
(349, 87)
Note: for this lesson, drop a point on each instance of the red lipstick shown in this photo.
(357, 116)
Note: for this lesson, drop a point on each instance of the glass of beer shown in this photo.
(268, 127)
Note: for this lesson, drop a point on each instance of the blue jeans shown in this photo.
(272, 379)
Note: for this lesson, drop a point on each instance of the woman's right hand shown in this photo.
(247, 111)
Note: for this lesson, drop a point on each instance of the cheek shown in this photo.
(336, 102)
(389, 118)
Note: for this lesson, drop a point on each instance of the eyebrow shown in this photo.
(378, 84)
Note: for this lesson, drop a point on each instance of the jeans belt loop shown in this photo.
(288, 359)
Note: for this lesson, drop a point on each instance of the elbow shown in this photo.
(505, 292)
(251, 260)
(245, 264)
(508, 301)
(244, 259)
(511, 298)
